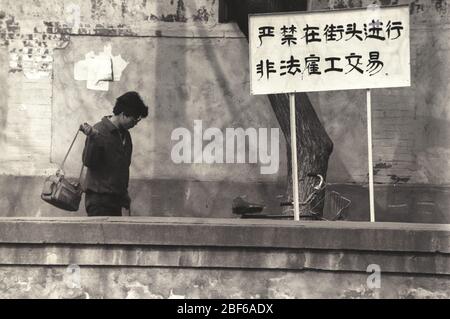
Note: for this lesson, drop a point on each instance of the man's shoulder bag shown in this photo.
(60, 192)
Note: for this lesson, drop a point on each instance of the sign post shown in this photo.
(294, 157)
(326, 51)
(370, 156)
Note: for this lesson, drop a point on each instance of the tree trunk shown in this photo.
(314, 146)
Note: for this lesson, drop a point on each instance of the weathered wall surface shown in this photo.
(31, 33)
(163, 283)
(410, 125)
(409, 203)
(182, 80)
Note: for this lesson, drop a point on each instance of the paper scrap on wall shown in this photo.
(99, 70)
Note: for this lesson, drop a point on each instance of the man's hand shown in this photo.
(87, 129)
(126, 211)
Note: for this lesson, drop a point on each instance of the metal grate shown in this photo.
(335, 205)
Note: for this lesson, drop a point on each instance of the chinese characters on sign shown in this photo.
(311, 65)
(320, 51)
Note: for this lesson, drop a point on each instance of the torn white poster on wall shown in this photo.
(99, 70)
(118, 64)
(99, 73)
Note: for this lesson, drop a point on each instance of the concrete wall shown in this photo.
(407, 204)
(410, 125)
(182, 80)
(29, 36)
(214, 258)
(166, 43)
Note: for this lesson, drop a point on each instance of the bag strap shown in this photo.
(81, 171)
(68, 151)
(67, 154)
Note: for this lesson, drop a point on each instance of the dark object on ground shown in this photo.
(243, 207)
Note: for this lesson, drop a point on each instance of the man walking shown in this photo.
(107, 155)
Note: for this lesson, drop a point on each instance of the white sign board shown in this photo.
(332, 50)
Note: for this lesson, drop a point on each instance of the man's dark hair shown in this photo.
(131, 104)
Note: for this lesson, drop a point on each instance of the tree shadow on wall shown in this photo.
(4, 63)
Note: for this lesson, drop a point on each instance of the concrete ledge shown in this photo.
(214, 232)
(225, 243)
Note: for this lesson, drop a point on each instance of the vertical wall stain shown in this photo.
(181, 12)
(124, 8)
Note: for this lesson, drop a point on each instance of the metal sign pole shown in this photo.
(294, 157)
(370, 155)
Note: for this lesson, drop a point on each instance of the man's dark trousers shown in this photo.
(98, 204)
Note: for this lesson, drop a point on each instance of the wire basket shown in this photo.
(335, 205)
